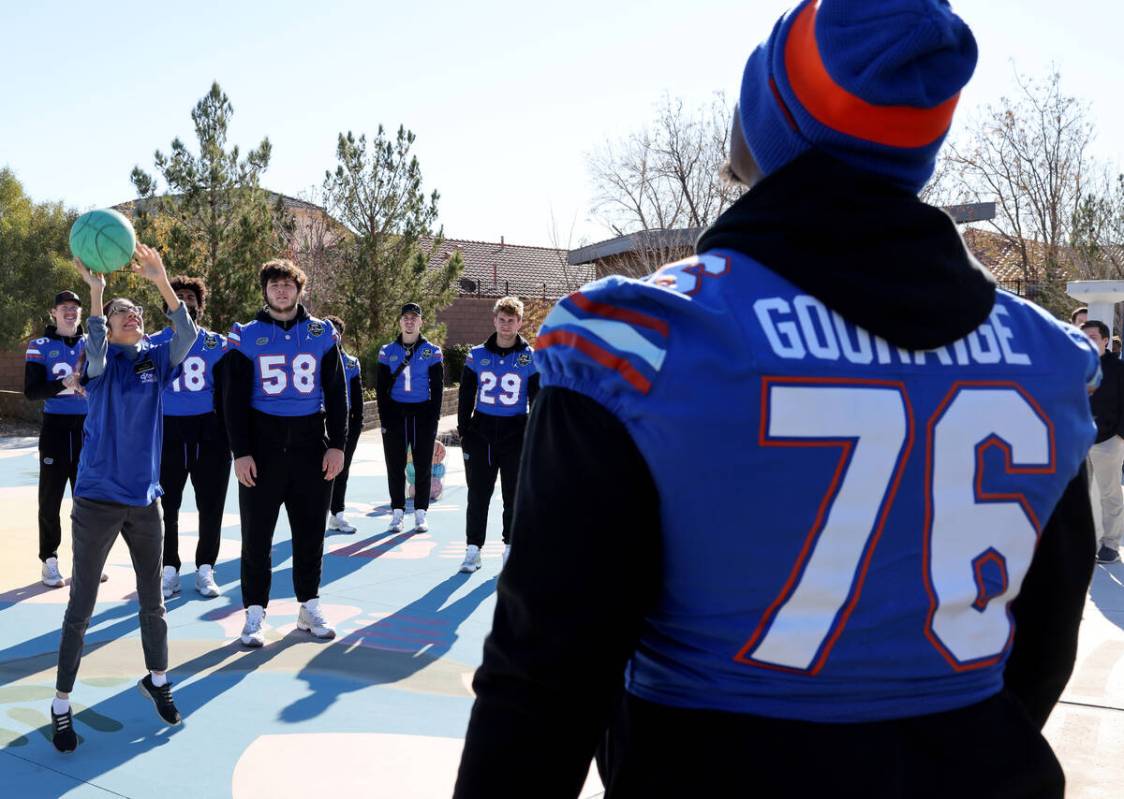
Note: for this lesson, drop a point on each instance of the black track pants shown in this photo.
(207, 462)
(415, 429)
(482, 462)
(293, 478)
(60, 444)
(339, 485)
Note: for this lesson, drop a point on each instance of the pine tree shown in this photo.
(376, 191)
(216, 221)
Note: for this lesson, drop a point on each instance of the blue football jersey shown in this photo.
(287, 363)
(844, 522)
(192, 392)
(350, 372)
(60, 360)
(412, 384)
(501, 381)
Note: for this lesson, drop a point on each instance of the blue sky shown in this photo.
(506, 98)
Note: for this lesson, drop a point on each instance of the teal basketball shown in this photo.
(103, 240)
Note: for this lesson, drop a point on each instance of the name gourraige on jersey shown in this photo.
(844, 523)
(502, 381)
(60, 360)
(412, 383)
(192, 392)
(287, 379)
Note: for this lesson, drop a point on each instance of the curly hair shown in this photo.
(280, 269)
(337, 323)
(196, 285)
(508, 305)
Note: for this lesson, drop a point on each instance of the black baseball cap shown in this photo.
(410, 307)
(66, 296)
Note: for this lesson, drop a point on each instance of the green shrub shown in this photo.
(454, 362)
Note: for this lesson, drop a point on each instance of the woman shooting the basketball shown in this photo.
(119, 478)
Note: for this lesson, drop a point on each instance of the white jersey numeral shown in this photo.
(509, 384)
(275, 378)
(977, 546)
(194, 375)
(968, 621)
(870, 424)
(63, 371)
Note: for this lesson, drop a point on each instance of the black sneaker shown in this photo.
(1107, 555)
(64, 738)
(162, 698)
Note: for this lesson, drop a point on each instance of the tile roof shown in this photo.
(495, 269)
(1000, 256)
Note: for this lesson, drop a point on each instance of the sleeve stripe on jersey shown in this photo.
(618, 335)
(623, 314)
(34, 355)
(567, 338)
(233, 336)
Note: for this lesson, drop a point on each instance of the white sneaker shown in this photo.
(419, 521)
(205, 581)
(506, 553)
(396, 520)
(471, 559)
(311, 618)
(252, 634)
(170, 582)
(339, 522)
(51, 576)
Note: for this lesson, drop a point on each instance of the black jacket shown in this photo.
(1108, 400)
(251, 430)
(37, 384)
(489, 428)
(561, 637)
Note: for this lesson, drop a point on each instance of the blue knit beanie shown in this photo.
(871, 82)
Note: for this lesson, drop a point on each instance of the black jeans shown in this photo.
(60, 444)
(194, 447)
(413, 427)
(339, 485)
(482, 462)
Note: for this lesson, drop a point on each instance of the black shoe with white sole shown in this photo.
(1107, 555)
(64, 738)
(161, 698)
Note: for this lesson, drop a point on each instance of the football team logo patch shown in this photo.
(210, 341)
(427, 353)
(523, 359)
(315, 329)
(261, 342)
(53, 353)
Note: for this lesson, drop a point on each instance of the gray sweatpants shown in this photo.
(94, 528)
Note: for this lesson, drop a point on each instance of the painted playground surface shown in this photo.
(378, 712)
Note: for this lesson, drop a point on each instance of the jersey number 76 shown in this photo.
(965, 530)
